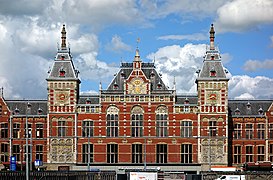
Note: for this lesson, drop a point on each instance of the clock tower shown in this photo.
(63, 94)
(212, 88)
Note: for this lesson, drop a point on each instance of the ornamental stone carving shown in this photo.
(61, 150)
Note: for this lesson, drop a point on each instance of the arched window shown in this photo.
(137, 121)
(161, 121)
(112, 121)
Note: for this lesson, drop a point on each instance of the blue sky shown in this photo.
(102, 33)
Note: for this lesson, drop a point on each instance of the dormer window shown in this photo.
(237, 111)
(115, 86)
(212, 73)
(122, 74)
(248, 106)
(212, 57)
(261, 111)
(62, 57)
(152, 74)
(159, 85)
(62, 72)
(16, 111)
(88, 101)
(186, 102)
(40, 110)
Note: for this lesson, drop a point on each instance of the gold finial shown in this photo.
(212, 32)
(63, 45)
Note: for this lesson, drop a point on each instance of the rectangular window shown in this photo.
(261, 131)
(161, 153)
(39, 152)
(186, 153)
(87, 150)
(161, 125)
(16, 130)
(39, 130)
(271, 149)
(261, 153)
(112, 153)
(237, 131)
(4, 130)
(237, 151)
(112, 125)
(249, 153)
(212, 128)
(61, 129)
(25, 152)
(249, 131)
(88, 128)
(4, 152)
(186, 128)
(270, 131)
(137, 125)
(29, 130)
(16, 152)
(136, 153)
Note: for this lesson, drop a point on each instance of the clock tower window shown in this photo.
(62, 72)
(212, 73)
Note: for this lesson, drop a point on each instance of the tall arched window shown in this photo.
(161, 121)
(212, 127)
(112, 121)
(137, 121)
(61, 127)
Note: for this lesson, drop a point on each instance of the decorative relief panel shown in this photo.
(212, 151)
(137, 86)
(61, 150)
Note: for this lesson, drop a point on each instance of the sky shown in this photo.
(103, 33)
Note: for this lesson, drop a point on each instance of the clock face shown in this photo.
(62, 97)
(212, 97)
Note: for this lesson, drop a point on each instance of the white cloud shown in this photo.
(192, 37)
(240, 15)
(117, 45)
(181, 63)
(93, 69)
(198, 8)
(246, 96)
(259, 87)
(255, 65)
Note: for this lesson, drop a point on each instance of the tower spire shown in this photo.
(63, 45)
(212, 32)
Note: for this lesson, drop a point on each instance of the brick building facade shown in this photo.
(137, 122)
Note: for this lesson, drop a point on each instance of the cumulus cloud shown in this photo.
(255, 65)
(117, 45)
(181, 63)
(259, 87)
(191, 37)
(240, 15)
(200, 8)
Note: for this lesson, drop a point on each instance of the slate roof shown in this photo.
(248, 107)
(148, 70)
(182, 99)
(21, 107)
(89, 99)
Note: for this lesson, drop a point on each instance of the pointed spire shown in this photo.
(63, 45)
(212, 32)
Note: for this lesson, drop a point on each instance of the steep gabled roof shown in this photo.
(212, 66)
(148, 69)
(248, 107)
(63, 67)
